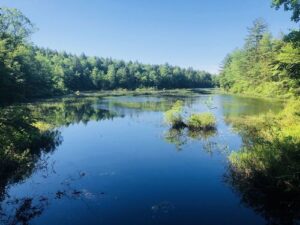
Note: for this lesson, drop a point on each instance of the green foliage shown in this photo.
(255, 34)
(33, 72)
(288, 63)
(174, 117)
(265, 171)
(24, 72)
(265, 66)
(20, 141)
(289, 5)
(200, 126)
(14, 24)
(201, 121)
(272, 148)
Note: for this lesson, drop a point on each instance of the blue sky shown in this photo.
(188, 33)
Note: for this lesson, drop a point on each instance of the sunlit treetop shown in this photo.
(13, 23)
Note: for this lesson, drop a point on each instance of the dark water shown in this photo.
(116, 162)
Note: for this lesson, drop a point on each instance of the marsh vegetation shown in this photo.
(178, 119)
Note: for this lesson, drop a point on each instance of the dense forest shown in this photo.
(32, 71)
(265, 65)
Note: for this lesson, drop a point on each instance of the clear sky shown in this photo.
(188, 33)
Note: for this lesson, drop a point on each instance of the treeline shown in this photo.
(265, 66)
(28, 71)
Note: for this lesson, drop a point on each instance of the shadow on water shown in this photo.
(276, 204)
(29, 133)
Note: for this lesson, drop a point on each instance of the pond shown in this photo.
(113, 160)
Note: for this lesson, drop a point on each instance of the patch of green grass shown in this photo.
(271, 148)
(174, 117)
(201, 121)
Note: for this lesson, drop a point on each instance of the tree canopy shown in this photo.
(265, 66)
(289, 5)
(28, 71)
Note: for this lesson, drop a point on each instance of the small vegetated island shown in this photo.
(196, 121)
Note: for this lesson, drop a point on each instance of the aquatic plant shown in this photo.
(268, 165)
(174, 117)
(201, 121)
(271, 143)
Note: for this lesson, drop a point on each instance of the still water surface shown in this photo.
(116, 162)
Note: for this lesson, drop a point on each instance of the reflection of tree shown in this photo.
(176, 137)
(144, 105)
(180, 137)
(201, 134)
(268, 182)
(29, 132)
(21, 144)
(70, 111)
(234, 106)
(23, 210)
(154, 103)
(276, 204)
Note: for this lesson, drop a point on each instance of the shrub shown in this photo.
(272, 149)
(201, 121)
(173, 116)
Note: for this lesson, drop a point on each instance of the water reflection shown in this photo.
(132, 106)
(21, 144)
(276, 204)
(144, 173)
(234, 106)
(71, 111)
(180, 137)
(28, 134)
